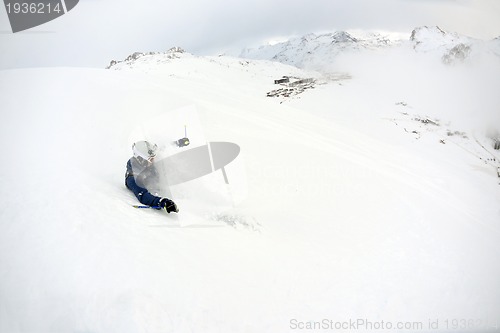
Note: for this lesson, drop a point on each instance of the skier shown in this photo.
(141, 174)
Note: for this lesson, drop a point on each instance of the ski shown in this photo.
(176, 210)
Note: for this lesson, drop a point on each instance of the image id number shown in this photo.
(33, 8)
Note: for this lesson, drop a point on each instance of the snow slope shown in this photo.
(354, 208)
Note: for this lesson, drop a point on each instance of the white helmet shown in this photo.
(145, 150)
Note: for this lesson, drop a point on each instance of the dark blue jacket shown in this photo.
(137, 176)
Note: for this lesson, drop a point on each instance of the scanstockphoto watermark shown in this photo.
(26, 14)
(354, 324)
(452, 324)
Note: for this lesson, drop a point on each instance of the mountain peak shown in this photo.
(172, 53)
(343, 37)
(425, 31)
(450, 45)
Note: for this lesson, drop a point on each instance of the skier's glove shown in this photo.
(168, 205)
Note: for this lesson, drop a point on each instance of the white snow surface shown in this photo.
(375, 197)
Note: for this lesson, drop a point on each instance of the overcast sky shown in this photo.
(97, 31)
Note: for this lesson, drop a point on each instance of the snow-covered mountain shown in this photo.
(426, 39)
(371, 199)
(319, 51)
(312, 51)
(452, 47)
